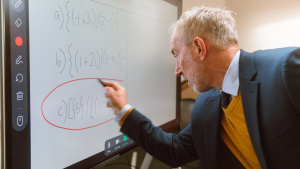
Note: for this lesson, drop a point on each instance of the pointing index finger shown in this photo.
(114, 85)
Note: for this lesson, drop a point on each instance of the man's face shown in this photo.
(189, 65)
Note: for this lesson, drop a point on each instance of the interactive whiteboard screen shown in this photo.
(56, 52)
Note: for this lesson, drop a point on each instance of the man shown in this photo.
(259, 128)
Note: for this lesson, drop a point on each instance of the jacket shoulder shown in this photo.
(272, 59)
(275, 52)
(201, 101)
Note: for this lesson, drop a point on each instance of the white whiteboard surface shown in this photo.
(72, 43)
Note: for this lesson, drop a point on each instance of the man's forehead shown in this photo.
(175, 42)
(174, 37)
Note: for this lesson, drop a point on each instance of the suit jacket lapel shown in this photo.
(212, 129)
(249, 92)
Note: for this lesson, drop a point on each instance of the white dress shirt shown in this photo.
(231, 81)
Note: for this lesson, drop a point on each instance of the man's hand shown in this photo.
(116, 96)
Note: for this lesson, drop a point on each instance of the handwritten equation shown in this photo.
(71, 17)
(73, 61)
(77, 104)
(80, 108)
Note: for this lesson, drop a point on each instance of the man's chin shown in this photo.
(199, 90)
(196, 90)
(194, 87)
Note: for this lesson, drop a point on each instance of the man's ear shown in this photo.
(200, 47)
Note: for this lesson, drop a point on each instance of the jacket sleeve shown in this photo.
(174, 150)
(291, 77)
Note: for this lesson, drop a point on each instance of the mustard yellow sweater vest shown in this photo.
(235, 134)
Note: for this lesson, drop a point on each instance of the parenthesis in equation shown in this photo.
(112, 24)
(94, 17)
(97, 21)
(63, 17)
(75, 61)
(100, 23)
(99, 60)
(117, 18)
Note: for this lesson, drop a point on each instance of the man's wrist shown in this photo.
(122, 112)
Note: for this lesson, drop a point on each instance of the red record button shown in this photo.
(19, 41)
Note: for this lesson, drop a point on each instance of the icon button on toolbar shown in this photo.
(18, 5)
(18, 60)
(18, 22)
(20, 121)
(19, 41)
(19, 95)
(19, 78)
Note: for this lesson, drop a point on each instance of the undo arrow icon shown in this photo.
(19, 76)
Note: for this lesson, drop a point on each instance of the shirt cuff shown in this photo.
(125, 116)
(122, 112)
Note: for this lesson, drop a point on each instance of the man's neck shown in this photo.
(219, 63)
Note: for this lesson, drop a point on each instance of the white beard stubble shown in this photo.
(197, 76)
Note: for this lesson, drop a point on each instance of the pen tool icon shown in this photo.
(18, 60)
(18, 3)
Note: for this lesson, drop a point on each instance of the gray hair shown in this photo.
(216, 25)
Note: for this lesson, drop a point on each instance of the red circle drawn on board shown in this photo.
(67, 83)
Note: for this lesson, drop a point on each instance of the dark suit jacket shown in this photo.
(270, 91)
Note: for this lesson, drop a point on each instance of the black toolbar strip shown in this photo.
(19, 59)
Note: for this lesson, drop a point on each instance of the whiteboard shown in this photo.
(73, 43)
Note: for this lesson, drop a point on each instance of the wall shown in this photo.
(187, 4)
(265, 24)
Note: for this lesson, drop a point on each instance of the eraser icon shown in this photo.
(18, 22)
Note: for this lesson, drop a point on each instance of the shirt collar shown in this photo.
(231, 80)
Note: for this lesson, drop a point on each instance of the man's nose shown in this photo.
(178, 71)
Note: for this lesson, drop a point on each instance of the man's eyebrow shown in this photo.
(173, 51)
